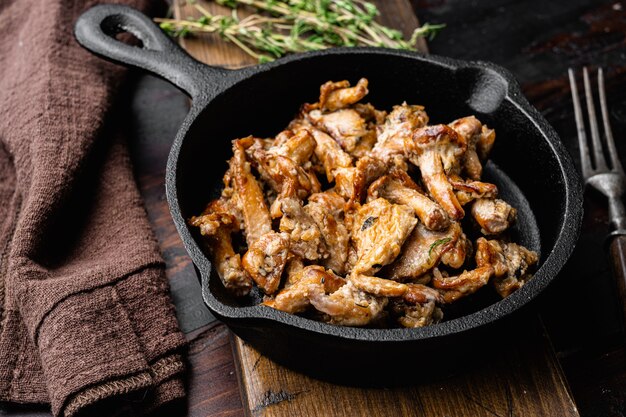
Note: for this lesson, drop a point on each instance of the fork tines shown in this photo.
(598, 163)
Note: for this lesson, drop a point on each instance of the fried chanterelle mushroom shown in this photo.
(356, 216)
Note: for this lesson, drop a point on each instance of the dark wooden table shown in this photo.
(537, 41)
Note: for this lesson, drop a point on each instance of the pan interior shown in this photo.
(524, 165)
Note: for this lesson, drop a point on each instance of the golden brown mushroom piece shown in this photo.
(468, 191)
(339, 95)
(329, 153)
(422, 251)
(437, 152)
(292, 268)
(298, 147)
(378, 286)
(410, 293)
(346, 126)
(306, 239)
(468, 282)
(455, 254)
(418, 307)
(285, 176)
(380, 228)
(347, 306)
(488, 263)
(476, 135)
(295, 298)
(352, 182)
(326, 210)
(416, 315)
(415, 304)
(370, 113)
(493, 216)
(373, 118)
(265, 260)
(398, 188)
(394, 136)
(216, 225)
(508, 263)
(485, 142)
(511, 263)
(249, 195)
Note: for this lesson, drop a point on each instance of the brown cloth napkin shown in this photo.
(86, 318)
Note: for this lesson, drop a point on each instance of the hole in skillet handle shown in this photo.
(129, 39)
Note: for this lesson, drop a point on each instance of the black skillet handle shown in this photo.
(96, 29)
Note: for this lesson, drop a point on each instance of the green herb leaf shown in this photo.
(280, 27)
(438, 242)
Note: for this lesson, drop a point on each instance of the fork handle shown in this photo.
(617, 214)
(617, 251)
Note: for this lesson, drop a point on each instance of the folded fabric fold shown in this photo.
(125, 334)
(86, 318)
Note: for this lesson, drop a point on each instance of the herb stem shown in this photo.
(282, 26)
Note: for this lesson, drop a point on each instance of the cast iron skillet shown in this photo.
(536, 176)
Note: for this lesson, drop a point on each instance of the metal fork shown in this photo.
(607, 178)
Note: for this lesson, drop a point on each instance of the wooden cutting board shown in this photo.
(523, 380)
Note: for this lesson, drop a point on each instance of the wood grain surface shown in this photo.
(525, 380)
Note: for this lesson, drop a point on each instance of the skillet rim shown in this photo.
(552, 263)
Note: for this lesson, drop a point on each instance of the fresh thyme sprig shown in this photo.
(280, 27)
